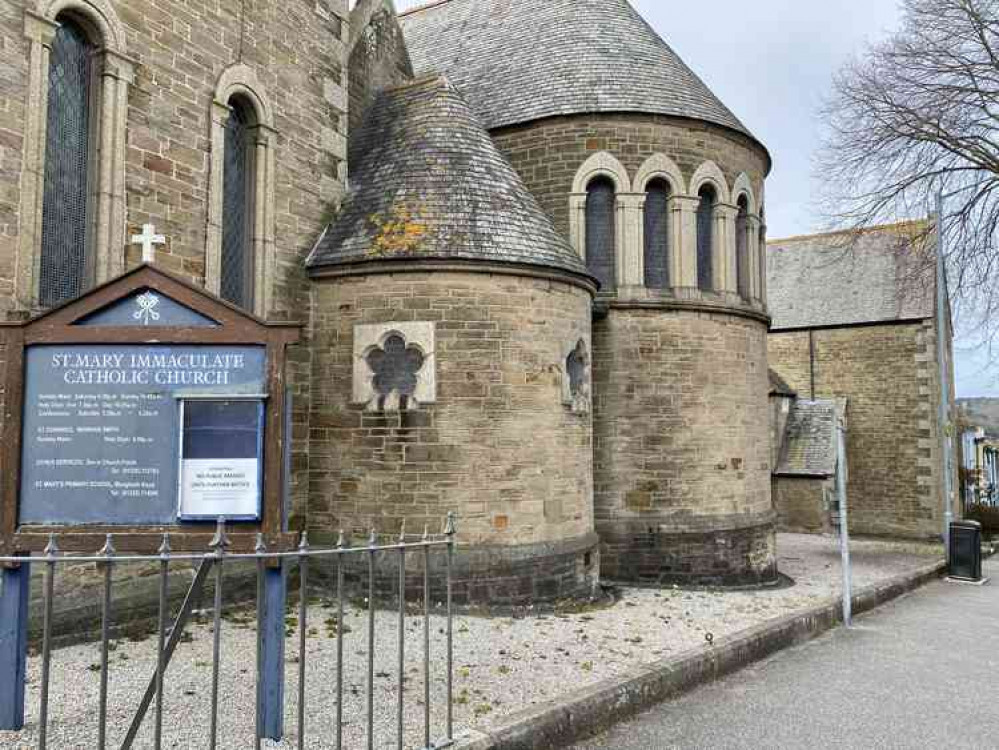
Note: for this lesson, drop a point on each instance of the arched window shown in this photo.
(657, 195)
(237, 272)
(66, 263)
(705, 237)
(600, 231)
(742, 247)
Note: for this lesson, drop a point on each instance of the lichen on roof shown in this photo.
(428, 182)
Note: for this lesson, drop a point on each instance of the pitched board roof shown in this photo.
(521, 60)
(884, 274)
(811, 445)
(427, 182)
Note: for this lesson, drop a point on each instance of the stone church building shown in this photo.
(854, 321)
(525, 240)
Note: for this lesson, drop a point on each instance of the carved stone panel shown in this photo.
(394, 367)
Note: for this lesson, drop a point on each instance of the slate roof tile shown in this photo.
(822, 280)
(810, 448)
(428, 182)
(522, 60)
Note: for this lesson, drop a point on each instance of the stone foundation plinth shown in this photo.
(657, 555)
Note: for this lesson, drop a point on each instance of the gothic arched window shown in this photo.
(66, 266)
(705, 237)
(600, 230)
(237, 272)
(657, 250)
(742, 247)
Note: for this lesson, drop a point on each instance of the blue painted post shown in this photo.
(15, 585)
(270, 685)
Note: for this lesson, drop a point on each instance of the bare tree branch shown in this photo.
(917, 114)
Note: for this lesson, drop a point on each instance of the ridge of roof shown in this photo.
(422, 6)
(429, 183)
(898, 226)
(522, 61)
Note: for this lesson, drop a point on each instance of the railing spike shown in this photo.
(402, 532)
(341, 540)
(426, 531)
(108, 549)
(52, 548)
(221, 540)
(450, 528)
(260, 547)
(373, 539)
(303, 545)
(165, 550)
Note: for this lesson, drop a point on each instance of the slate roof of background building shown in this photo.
(779, 386)
(517, 61)
(427, 182)
(822, 280)
(810, 447)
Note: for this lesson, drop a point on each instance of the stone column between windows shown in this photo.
(117, 74)
(761, 240)
(263, 237)
(631, 261)
(41, 32)
(725, 280)
(213, 233)
(577, 223)
(753, 258)
(683, 242)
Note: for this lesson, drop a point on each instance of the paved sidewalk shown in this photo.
(920, 672)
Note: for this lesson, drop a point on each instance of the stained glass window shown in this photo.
(742, 247)
(657, 235)
(66, 240)
(705, 238)
(237, 211)
(600, 229)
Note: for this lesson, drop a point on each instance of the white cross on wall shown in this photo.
(148, 239)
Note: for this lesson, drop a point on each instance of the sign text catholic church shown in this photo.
(146, 406)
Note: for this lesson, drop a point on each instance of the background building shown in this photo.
(854, 317)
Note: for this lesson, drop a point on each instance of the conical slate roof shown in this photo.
(427, 182)
(522, 60)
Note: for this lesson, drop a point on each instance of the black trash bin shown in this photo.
(965, 558)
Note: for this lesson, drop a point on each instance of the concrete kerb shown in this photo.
(592, 709)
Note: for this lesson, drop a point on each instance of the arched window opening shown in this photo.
(705, 237)
(66, 262)
(237, 276)
(742, 247)
(657, 250)
(600, 231)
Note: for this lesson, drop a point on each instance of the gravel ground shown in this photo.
(502, 664)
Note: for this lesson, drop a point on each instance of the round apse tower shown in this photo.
(660, 189)
(451, 366)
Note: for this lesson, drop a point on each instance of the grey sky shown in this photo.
(771, 67)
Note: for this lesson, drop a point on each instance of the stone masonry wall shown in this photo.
(499, 447)
(681, 431)
(547, 154)
(887, 373)
(802, 503)
(297, 49)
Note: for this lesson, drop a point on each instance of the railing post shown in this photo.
(15, 585)
(270, 631)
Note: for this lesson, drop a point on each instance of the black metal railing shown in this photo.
(214, 560)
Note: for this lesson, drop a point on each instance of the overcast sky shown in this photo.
(772, 66)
